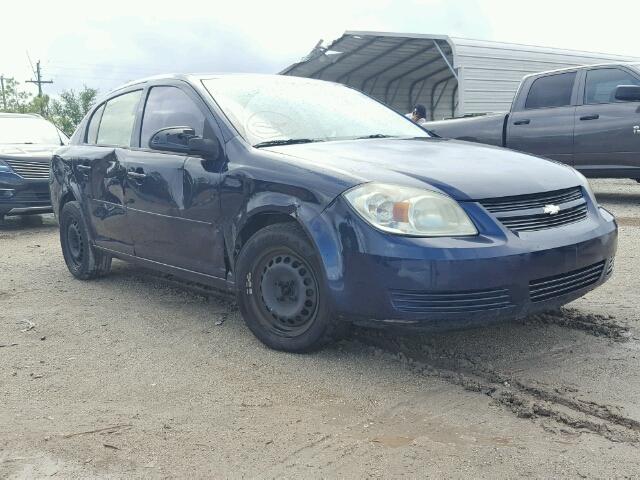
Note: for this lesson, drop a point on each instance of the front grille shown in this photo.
(32, 197)
(558, 285)
(535, 200)
(29, 169)
(450, 302)
(540, 221)
(525, 213)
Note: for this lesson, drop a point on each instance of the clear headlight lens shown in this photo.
(410, 211)
(587, 186)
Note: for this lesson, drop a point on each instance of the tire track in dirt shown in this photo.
(524, 399)
(593, 324)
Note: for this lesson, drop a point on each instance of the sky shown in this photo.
(103, 47)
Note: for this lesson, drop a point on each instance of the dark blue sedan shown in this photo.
(320, 206)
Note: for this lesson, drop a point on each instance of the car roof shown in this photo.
(195, 77)
(20, 115)
(581, 67)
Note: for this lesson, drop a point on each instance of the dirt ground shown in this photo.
(137, 376)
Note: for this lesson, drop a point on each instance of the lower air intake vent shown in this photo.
(450, 302)
(558, 285)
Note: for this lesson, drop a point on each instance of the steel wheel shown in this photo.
(75, 243)
(288, 292)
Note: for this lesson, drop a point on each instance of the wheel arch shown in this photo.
(318, 230)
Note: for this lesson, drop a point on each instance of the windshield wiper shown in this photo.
(286, 141)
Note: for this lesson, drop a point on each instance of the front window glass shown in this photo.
(602, 84)
(278, 108)
(169, 107)
(28, 130)
(118, 118)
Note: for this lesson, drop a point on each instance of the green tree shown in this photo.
(67, 111)
(18, 100)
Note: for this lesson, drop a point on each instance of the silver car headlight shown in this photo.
(410, 211)
(587, 187)
(4, 168)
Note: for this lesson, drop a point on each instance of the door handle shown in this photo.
(590, 117)
(522, 122)
(136, 175)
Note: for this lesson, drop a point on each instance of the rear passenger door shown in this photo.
(605, 138)
(542, 122)
(100, 172)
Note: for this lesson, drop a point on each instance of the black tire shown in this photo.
(282, 292)
(82, 260)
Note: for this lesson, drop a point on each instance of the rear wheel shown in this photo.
(82, 260)
(281, 290)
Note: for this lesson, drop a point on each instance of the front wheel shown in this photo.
(281, 290)
(82, 260)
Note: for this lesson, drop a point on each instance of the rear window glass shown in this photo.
(118, 118)
(94, 123)
(551, 91)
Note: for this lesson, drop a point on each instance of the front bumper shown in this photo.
(497, 275)
(19, 196)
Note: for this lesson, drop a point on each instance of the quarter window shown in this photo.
(551, 91)
(169, 107)
(602, 83)
(94, 123)
(118, 118)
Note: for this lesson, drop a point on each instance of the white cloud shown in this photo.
(124, 40)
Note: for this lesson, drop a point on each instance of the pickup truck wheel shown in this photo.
(82, 260)
(281, 290)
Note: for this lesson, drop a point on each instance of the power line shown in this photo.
(39, 82)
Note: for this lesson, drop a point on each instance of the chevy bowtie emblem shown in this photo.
(551, 209)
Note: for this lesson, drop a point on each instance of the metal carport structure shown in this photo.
(450, 76)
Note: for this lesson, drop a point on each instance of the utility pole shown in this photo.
(39, 82)
(4, 98)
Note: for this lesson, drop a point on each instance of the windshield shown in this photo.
(274, 109)
(28, 130)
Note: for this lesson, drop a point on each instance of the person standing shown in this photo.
(419, 114)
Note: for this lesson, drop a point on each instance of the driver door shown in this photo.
(172, 199)
(605, 135)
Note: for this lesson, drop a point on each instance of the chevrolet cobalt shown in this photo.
(319, 206)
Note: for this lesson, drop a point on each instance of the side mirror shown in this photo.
(172, 139)
(628, 93)
(184, 140)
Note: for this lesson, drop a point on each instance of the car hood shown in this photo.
(27, 152)
(465, 171)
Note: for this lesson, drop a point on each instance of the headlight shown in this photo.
(410, 211)
(587, 187)
(4, 168)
